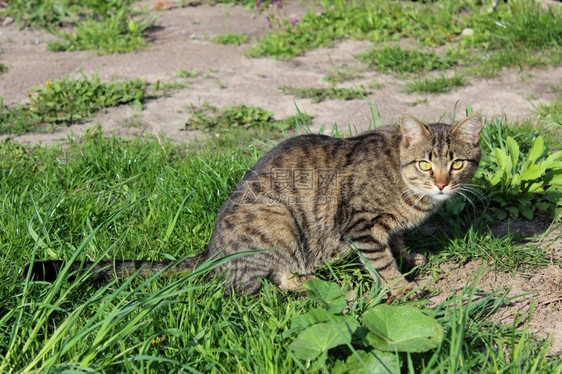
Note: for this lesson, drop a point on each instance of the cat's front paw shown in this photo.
(408, 291)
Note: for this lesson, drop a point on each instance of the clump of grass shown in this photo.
(341, 74)
(320, 94)
(3, 68)
(552, 112)
(37, 13)
(109, 29)
(398, 60)
(230, 38)
(435, 85)
(209, 117)
(519, 25)
(187, 74)
(102, 27)
(68, 101)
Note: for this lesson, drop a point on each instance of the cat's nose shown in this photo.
(440, 186)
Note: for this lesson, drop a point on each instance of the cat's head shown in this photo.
(437, 159)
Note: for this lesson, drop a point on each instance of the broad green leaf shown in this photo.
(554, 194)
(551, 161)
(553, 177)
(455, 206)
(516, 180)
(503, 160)
(535, 187)
(536, 150)
(374, 362)
(532, 172)
(402, 328)
(496, 178)
(310, 318)
(327, 293)
(513, 150)
(318, 338)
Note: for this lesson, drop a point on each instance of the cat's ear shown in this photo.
(413, 130)
(469, 128)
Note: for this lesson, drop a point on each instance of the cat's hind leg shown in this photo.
(268, 227)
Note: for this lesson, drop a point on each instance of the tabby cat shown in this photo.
(314, 197)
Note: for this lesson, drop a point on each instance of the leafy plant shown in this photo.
(519, 183)
(230, 38)
(318, 95)
(3, 68)
(210, 118)
(68, 101)
(371, 340)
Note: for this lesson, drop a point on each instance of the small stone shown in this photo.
(468, 32)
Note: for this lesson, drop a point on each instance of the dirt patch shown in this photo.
(539, 288)
(228, 77)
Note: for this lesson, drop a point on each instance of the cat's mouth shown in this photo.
(440, 195)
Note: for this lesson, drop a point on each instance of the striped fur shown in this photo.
(313, 197)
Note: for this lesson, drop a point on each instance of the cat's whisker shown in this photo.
(477, 193)
(419, 198)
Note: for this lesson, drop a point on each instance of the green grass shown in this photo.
(3, 68)
(377, 21)
(515, 33)
(68, 101)
(318, 95)
(435, 85)
(105, 198)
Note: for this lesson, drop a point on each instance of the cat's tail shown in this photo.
(108, 270)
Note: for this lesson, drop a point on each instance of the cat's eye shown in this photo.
(424, 165)
(457, 164)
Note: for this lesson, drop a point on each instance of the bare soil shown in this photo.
(228, 77)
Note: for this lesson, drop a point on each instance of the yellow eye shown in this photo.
(425, 166)
(457, 164)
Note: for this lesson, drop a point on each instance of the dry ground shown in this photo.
(228, 77)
